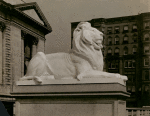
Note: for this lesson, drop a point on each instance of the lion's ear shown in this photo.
(87, 37)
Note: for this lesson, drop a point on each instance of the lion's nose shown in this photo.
(101, 34)
(101, 46)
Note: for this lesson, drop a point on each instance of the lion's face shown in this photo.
(89, 35)
(97, 38)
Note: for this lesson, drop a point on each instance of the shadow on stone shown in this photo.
(3, 111)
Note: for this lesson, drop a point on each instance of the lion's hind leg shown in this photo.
(35, 78)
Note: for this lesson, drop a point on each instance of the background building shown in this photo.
(21, 37)
(127, 51)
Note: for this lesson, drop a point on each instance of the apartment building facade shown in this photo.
(127, 52)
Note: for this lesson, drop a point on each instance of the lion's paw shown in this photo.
(79, 77)
(124, 78)
(37, 79)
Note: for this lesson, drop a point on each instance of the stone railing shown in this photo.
(145, 111)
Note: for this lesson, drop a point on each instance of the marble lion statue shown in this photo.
(85, 59)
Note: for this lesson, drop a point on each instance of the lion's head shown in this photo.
(87, 41)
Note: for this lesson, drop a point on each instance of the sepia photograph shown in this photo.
(74, 58)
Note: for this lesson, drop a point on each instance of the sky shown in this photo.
(60, 14)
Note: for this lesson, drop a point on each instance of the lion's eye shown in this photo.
(80, 27)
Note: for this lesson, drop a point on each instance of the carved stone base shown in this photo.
(71, 100)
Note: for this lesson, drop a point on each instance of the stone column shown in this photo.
(7, 56)
(16, 44)
(34, 46)
(41, 45)
(23, 35)
(2, 27)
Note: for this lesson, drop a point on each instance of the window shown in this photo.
(146, 49)
(125, 39)
(117, 29)
(113, 65)
(109, 40)
(125, 29)
(146, 61)
(146, 87)
(117, 40)
(103, 29)
(126, 64)
(133, 64)
(134, 28)
(109, 51)
(129, 64)
(134, 49)
(125, 50)
(109, 30)
(134, 38)
(116, 51)
(27, 53)
(146, 37)
(146, 75)
(146, 25)
(131, 78)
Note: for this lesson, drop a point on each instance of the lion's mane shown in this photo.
(84, 49)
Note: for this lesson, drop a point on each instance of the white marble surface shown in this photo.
(72, 81)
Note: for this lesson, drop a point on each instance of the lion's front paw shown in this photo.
(124, 78)
(37, 79)
(79, 77)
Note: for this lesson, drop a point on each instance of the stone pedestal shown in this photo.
(82, 99)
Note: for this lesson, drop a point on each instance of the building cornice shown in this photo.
(14, 11)
(27, 29)
(33, 5)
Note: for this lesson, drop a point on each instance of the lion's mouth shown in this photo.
(97, 45)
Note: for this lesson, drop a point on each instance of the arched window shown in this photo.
(146, 25)
(146, 61)
(134, 38)
(146, 37)
(116, 51)
(125, 39)
(125, 50)
(117, 40)
(134, 49)
(109, 30)
(146, 49)
(109, 40)
(125, 29)
(117, 29)
(109, 51)
(134, 28)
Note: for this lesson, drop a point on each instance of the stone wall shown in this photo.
(16, 52)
